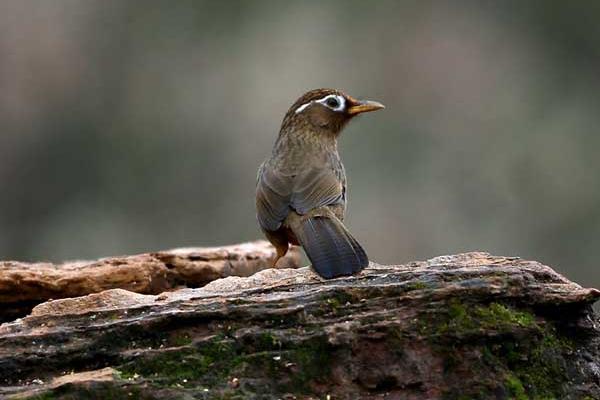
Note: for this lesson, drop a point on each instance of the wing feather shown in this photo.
(273, 193)
(316, 188)
(277, 194)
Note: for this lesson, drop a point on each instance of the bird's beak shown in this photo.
(362, 106)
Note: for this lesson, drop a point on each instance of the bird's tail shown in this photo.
(332, 250)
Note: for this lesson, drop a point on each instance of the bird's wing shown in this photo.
(277, 193)
(273, 197)
(316, 188)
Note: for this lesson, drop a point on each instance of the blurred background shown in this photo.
(129, 126)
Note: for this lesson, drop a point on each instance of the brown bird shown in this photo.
(301, 189)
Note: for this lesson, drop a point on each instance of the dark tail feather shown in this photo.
(330, 247)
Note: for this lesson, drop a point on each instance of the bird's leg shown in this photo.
(279, 241)
(282, 250)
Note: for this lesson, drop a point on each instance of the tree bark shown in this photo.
(467, 326)
(23, 285)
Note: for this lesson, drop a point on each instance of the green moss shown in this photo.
(511, 343)
(515, 388)
(463, 320)
(266, 341)
(335, 303)
(536, 362)
(210, 360)
(181, 340)
(343, 297)
(291, 367)
(313, 361)
(497, 313)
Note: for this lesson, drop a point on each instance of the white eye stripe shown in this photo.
(341, 103)
(302, 107)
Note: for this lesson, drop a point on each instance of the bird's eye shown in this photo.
(333, 102)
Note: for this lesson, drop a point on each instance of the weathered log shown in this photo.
(23, 285)
(469, 326)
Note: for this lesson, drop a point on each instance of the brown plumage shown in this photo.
(301, 188)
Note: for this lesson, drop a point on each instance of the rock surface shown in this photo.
(468, 326)
(23, 285)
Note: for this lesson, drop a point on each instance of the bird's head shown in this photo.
(326, 111)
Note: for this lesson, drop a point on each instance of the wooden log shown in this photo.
(23, 285)
(467, 326)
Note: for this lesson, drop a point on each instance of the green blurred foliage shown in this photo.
(129, 126)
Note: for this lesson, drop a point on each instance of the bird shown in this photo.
(301, 189)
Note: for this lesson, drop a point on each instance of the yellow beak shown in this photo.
(362, 106)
